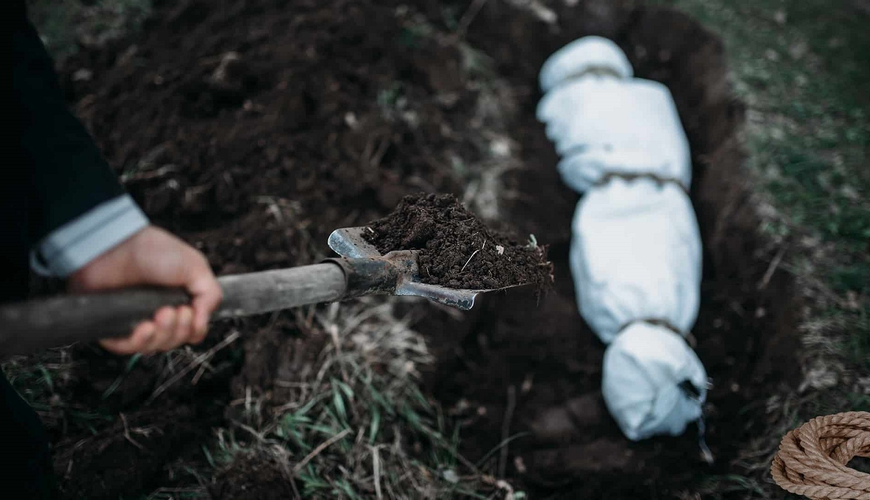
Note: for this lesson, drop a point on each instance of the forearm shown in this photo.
(79, 241)
(78, 208)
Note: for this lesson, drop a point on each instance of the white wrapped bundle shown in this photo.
(643, 368)
(636, 255)
(636, 249)
(602, 121)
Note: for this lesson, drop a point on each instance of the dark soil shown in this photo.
(457, 250)
(252, 477)
(253, 129)
(143, 441)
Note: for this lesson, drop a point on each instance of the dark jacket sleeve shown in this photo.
(68, 175)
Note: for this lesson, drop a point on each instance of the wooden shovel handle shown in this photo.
(38, 324)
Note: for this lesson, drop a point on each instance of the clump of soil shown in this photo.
(456, 249)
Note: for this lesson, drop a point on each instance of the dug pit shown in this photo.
(325, 116)
(526, 380)
(456, 249)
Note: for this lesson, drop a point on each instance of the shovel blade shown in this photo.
(349, 243)
(458, 298)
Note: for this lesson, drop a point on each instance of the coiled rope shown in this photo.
(812, 459)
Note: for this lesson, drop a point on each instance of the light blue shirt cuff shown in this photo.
(76, 243)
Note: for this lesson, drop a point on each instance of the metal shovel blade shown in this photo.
(349, 243)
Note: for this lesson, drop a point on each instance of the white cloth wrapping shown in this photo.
(636, 249)
(636, 255)
(586, 54)
(635, 129)
(642, 368)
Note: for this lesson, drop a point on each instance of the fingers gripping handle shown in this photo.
(40, 324)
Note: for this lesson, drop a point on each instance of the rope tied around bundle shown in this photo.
(812, 459)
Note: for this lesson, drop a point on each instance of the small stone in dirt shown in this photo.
(450, 476)
(456, 249)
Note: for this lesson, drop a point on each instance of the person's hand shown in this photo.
(155, 257)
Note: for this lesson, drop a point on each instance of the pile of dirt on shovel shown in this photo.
(456, 249)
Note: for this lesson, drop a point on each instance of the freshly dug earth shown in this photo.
(252, 476)
(253, 129)
(144, 441)
(457, 250)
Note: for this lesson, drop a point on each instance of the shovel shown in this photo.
(38, 324)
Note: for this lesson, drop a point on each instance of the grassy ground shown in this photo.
(67, 25)
(359, 424)
(803, 68)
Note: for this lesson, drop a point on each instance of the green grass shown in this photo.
(352, 429)
(802, 68)
(43, 381)
(68, 24)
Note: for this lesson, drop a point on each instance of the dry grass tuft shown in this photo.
(359, 425)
